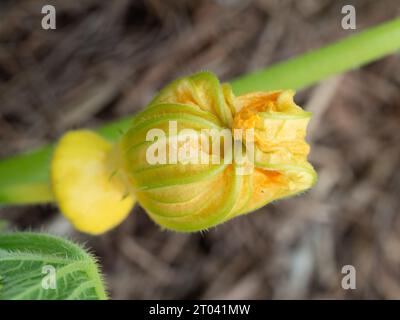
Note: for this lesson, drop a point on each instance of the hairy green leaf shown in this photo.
(44, 267)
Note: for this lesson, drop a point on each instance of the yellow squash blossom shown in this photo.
(96, 183)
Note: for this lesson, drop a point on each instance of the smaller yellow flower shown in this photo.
(87, 187)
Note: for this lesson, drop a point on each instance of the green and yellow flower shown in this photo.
(97, 183)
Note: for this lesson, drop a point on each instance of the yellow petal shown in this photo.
(86, 185)
(281, 166)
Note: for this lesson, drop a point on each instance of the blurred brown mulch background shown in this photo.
(107, 58)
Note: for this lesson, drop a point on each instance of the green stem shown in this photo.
(311, 67)
(25, 178)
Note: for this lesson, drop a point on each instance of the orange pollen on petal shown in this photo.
(268, 179)
(249, 106)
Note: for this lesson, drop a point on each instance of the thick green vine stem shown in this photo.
(311, 67)
(25, 179)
